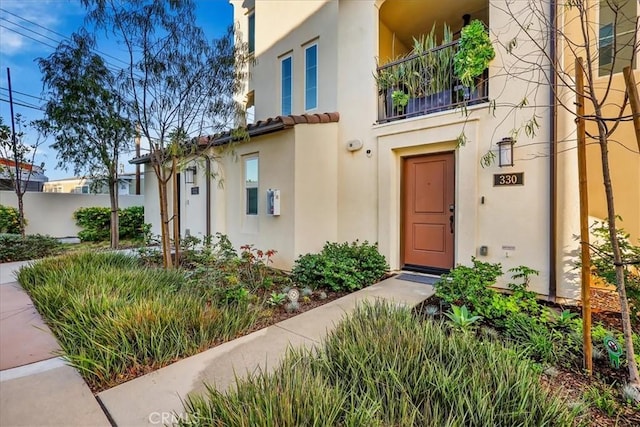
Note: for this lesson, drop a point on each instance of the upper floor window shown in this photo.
(287, 84)
(311, 77)
(252, 33)
(251, 184)
(616, 35)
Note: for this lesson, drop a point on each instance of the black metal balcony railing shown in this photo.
(424, 84)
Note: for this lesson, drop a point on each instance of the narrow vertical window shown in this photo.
(251, 185)
(616, 35)
(287, 85)
(252, 33)
(311, 77)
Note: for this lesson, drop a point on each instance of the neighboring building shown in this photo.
(31, 174)
(83, 185)
(370, 170)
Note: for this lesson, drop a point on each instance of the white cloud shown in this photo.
(25, 20)
(11, 42)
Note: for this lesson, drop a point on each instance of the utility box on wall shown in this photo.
(273, 202)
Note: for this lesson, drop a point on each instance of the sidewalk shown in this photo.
(154, 398)
(38, 389)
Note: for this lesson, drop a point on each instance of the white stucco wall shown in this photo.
(52, 213)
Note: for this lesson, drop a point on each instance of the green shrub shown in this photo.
(96, 222)
(340, 267)
(14, 248)
(602, 263)
(384, 367)
(9, 220)
(131, 222)
(471, 286)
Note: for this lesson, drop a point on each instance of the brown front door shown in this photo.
(428, 211)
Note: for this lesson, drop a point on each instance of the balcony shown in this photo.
(417, 40)
(424, 83)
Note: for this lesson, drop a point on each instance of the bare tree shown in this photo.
(605, 34)
(175, 79)
(21, 156)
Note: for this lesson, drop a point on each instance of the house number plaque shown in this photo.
(505, 179)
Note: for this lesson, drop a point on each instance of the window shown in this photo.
(252, 33)
(311, 77)
(80, 189)
(287, 85)
(251, 185)
(616, 35)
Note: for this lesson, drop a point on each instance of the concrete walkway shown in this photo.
(47, 392)
(36, 387)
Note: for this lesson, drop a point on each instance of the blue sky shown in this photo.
(31, 29)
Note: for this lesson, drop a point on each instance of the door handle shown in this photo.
(451, 209)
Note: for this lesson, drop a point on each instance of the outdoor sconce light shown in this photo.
(190, 175)
(505, 149)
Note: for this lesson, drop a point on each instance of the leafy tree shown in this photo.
(86, 115)
(576, 33)
(21, 155)
(174, 78)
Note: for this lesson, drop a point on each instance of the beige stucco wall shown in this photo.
(299, 25)
(300, 162)
(368, 180)
(624, 162)
(52, 213)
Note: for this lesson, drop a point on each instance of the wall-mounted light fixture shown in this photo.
(505, 150)
(190, 175)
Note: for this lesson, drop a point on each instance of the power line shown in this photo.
(29, 37)
(58, 34)
(30, 30)
(107, 64)
(33, 107)
(24, 94)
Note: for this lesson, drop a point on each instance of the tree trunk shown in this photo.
(115, 223)
(634, 378)
(23, 228)
(164, 219)
(176, 214)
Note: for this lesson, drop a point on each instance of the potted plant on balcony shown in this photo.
(442, 77)
(400, 100)
(475, 51)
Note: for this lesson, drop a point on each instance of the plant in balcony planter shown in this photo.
(442, 78)
(475, 51)
(400, 101)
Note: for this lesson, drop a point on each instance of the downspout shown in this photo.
(208, 195)
(553, 165)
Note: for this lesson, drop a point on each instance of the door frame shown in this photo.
(403, 206)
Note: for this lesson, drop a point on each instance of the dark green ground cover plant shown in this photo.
(341, 267)
(13, 247)
(384, 366)
(542, 334)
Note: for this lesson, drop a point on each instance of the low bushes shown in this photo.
(341, 267)
(116, 320)
(542, 334)
(14, 248)
(9, 220)
(382, 366)
(96, 221)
